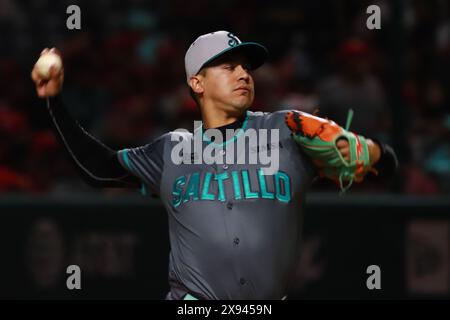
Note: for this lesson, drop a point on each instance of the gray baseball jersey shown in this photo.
(234, 232)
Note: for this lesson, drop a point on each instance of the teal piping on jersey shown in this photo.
(126, 160)
(242, 129)
(189, 297)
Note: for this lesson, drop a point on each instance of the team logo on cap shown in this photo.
(233, 40)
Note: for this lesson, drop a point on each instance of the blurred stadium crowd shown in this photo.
(125, 80)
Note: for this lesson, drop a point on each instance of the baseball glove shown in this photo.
(318, 138)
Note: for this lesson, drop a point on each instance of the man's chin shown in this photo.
(241, 107)
(243, 104)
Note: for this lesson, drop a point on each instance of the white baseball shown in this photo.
(45, 62)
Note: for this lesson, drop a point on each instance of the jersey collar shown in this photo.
(230, 126)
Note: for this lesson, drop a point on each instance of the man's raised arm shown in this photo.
(97, 163)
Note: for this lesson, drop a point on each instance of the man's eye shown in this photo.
(228, 67)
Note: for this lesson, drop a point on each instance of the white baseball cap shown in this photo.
(208, 47)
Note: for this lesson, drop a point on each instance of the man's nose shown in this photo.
(243, 73)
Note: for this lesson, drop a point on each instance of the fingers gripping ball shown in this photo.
(46, 62)
(318, 138)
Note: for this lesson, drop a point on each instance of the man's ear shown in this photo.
(196, 84)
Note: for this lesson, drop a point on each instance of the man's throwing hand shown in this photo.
(50, 84)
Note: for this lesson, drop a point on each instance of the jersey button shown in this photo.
(229, 206)
(236, 241)
(242, 281)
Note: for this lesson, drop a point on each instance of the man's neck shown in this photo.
(216, 119)
(235, 125)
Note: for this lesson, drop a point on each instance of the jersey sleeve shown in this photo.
(277, 120)
(146, 162)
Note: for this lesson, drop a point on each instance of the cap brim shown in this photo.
(256, 54)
